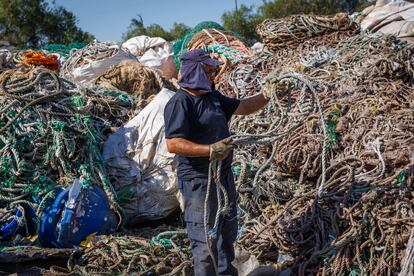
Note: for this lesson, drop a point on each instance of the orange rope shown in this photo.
(40, 58)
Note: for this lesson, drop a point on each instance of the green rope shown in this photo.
(224, 50)
(164, 238)
(331, 128)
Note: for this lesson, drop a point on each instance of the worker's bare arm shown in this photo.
(251, 104)
(187, 148)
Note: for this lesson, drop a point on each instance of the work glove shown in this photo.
(221, 149)
(267, 91)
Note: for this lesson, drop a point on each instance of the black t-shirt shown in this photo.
(200, 119)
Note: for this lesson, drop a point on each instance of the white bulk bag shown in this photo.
(141, 169)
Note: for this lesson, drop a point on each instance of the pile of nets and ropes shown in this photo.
(150, 251)
(281, 33)
(325, 172)
(224, 46)
(51, 132)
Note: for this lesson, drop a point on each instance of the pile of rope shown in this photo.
(327, 180)
(223, 45)
(134, 78)
(30, 57)
(287, 32)
(245, 77)
(52, 131)
(159, 251)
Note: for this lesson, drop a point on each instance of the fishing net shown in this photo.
(151, 251)
(62, 49)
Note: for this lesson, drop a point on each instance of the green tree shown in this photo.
(137, 28)
(178, 30)
(30, 23)
(155, 30)
(283, 8)
(61, 27)
(243, 21)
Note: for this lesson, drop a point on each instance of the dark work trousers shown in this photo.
(194, 193)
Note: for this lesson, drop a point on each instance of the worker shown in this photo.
(197, 130)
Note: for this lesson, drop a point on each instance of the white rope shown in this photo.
(407, 264)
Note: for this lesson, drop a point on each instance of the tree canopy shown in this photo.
(243, 21)
(31, 23)
(283, 8)
(137, 28)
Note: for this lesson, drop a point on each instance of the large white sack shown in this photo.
(141, 169)
(394, 17)
(95, 69)
(153, 52)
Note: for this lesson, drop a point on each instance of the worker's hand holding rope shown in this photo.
(221, 149)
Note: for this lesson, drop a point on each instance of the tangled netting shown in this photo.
(223, 45)
(51, 132)
(355, 214)
(63, 50)
(134, 78)
(158, 251)
(285, 32)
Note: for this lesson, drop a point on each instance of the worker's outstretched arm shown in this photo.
(251, 104)
(187, 148)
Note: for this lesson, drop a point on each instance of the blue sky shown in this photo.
(109, 19)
